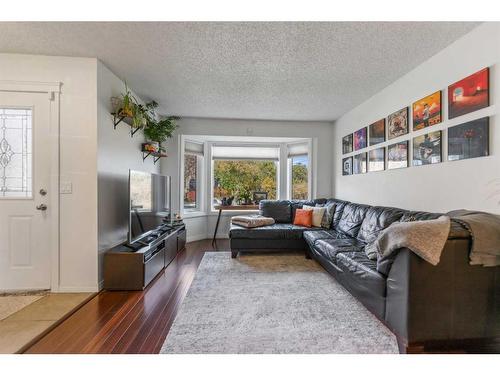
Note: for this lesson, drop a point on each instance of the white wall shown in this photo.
(442, 187)
(78, 158)
(117, 153)
(321, 132)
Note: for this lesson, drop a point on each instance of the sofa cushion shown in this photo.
(352, 218)
(311, 236)
(280, 211)
(419, 215)
(377, 219)
(339, 210)
(279, 231)
(330, 247)
(299, 204)
(360, 276)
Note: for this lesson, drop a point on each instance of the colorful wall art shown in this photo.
(398, 123)
(469, 94)
(347, 144)
(360, 139)
(377, 132)
(469, 140)
(427, 148)
(427, 111)
(376, 159)
(397, 155)
(359, 163)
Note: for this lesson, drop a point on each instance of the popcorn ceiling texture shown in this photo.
(274, 71)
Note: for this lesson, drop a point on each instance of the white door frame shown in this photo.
(53, 91)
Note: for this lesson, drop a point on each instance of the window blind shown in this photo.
(193, 148)
(297, 149)
(245, 152)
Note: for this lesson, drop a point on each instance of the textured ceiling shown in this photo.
(268, 70)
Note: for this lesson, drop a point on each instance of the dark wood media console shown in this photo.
(127, 268)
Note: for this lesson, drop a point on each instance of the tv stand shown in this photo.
(133, 267)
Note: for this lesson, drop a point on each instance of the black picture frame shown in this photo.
(347, 166)
(469, 140)
(427, 148)
(347, 144)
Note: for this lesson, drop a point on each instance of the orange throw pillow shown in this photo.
(303, 218)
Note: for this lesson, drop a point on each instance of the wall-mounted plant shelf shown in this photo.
(155, 155)
(117, 119)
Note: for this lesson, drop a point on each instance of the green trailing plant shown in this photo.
(158, 130)
(128, 103)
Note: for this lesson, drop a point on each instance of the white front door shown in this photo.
(25, 212)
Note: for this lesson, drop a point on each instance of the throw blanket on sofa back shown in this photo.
(425, 238)
(485, 231)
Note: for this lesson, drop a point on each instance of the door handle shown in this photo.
(41, 207)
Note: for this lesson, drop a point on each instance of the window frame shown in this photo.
(205, 177)
(200, 186)
(310, 167)
(211, 180)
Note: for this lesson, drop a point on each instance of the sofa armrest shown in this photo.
(450, 301)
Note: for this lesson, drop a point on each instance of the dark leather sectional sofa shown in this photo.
(450, 304)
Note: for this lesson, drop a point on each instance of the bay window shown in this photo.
(243, 171)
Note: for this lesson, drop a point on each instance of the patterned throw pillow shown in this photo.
(328, 216)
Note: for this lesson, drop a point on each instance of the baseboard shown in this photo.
(197, 237)
(76, 289)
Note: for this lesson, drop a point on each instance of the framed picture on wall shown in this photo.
(397, 155)
(377, 132)
(360, 139)
(347, 144)
(347, 166)
(427, 111)
(376, 159)
(427, 148)
(469, 94)
(397, 123)
(469, 140)
(359, 163)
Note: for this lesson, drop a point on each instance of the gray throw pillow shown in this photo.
(328, 216)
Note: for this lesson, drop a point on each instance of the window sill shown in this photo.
(193, 214)
(232, 212)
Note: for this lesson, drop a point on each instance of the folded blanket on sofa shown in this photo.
(252, 221)
(426, 238)
(485, 232)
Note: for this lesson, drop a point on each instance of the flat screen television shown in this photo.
(149, 204)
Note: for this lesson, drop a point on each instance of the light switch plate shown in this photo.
(66, 187)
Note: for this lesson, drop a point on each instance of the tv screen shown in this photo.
(149, 198)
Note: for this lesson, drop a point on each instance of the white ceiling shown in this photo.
(268, 70)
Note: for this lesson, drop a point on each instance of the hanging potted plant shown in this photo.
(156, 130)
(124, 105)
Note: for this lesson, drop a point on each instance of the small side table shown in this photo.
(220, 208)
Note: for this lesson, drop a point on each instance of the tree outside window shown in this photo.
(241, 178)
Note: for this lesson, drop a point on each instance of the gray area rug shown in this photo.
(272, 304)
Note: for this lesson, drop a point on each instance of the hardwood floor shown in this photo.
(129, 322)
(138, 322)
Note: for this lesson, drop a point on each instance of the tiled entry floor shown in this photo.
(25, 325)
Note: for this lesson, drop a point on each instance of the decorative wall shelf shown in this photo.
(155, 155)
(117, 119)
